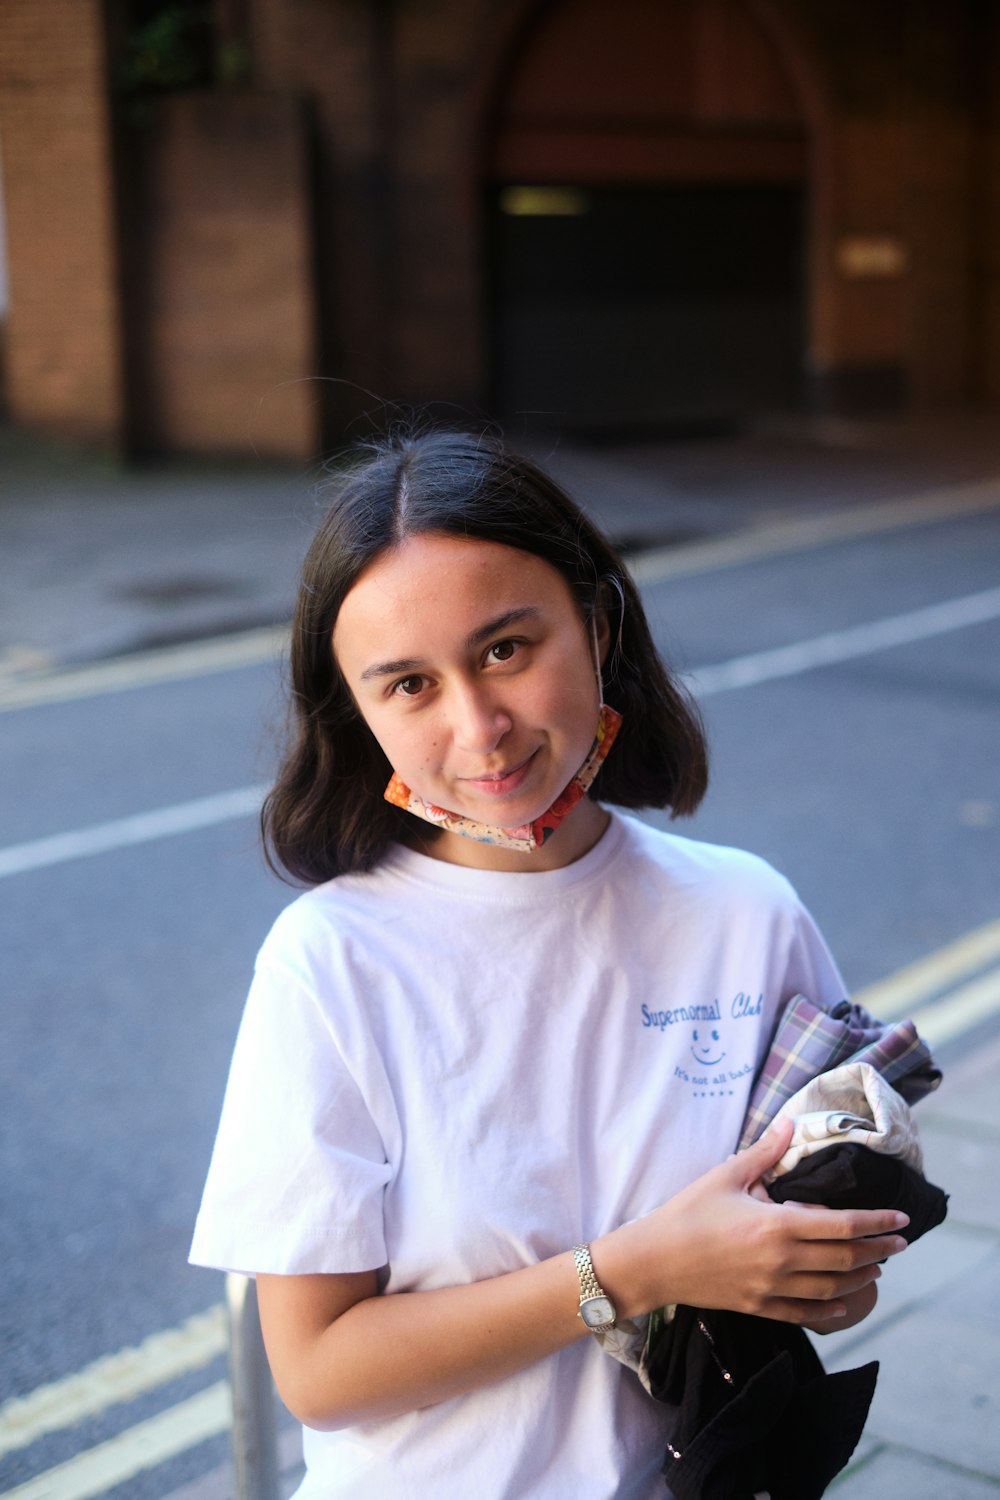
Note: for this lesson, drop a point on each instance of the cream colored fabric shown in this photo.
(852, 1103)
(625, 1342)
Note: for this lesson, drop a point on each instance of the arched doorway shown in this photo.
(646, 208)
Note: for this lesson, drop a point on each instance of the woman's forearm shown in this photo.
(385, 1355)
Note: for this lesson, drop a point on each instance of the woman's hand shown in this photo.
(723, 1243)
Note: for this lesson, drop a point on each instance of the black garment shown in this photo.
(847, 1175)
(757, 1411)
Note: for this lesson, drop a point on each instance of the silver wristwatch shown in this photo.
(596, 1308)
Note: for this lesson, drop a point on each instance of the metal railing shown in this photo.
(255, 1424)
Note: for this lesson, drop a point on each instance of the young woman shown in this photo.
(494, 1061)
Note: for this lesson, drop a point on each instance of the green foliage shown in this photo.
(173, 50)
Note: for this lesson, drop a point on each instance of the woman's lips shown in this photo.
(502, 783)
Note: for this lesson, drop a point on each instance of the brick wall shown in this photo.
(902, 159)
(898, 168)
(219, 277)
(63, 358)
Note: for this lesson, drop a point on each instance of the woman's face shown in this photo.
(476, 674)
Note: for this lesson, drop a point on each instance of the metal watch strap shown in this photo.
(596, 1308)
(589, 1284)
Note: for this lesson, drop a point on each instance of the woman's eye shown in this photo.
(408, 687)
(503, 650)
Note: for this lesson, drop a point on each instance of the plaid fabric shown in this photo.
(809, 1040)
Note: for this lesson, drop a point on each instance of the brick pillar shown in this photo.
(64, 371)
(334, 53)
(437, 344)
(986, 226)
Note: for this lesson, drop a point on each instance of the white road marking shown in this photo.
(775, 539)
(801, 534)
(198, 659)
(137, 1448)
(113, 1378)
(846, 645)
(141, 828)
(928, 976)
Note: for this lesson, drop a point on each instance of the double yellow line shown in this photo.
(948, 992)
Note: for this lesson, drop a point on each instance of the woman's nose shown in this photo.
(479, 722)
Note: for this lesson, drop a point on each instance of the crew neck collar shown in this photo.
(522, 883)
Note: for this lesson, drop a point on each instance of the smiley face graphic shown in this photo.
(706, 1048)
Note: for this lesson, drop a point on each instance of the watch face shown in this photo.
(597, 1312)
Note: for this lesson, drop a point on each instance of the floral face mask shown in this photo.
(528, 835)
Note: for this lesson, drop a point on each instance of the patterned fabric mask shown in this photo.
(527, 835)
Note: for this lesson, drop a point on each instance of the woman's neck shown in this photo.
(575, 837)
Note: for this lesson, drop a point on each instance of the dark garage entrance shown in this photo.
(623, 308)
(646, 178)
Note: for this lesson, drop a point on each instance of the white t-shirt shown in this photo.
(446, 1073)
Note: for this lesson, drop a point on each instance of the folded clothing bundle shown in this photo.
(757, 1413)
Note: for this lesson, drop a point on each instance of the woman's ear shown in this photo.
(602, 634)
(607, 617)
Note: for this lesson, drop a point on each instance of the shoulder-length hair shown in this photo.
(326, 815)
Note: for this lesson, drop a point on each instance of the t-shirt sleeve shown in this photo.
(810, 969)
(299, 1169)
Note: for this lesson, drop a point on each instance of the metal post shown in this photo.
(255, 1426)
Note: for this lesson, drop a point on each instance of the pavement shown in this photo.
(97, 562)
(934, 1428)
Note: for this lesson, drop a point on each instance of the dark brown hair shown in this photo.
(326, 815)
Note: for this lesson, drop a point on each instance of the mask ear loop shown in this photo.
(597, 659)
(615, 583)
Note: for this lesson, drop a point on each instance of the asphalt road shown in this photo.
(873, 782)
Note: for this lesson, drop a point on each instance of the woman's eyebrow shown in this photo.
(509, 617)
(480, 634)
(390, 668)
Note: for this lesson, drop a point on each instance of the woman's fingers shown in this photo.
(859, 1304)
(798, 1267)
(847, 1255)
(813, 1286)
(800, 1311)
(819, 1273)
(824, 1316)
(818, 1223)
(746, 1167)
